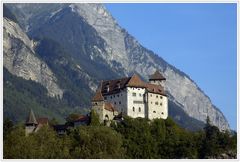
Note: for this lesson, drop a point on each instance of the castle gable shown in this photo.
(157, 76)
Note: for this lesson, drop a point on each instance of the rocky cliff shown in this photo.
(114, 49)
(21, 60)
(127, 51)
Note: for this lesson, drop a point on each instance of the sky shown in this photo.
(198, 39)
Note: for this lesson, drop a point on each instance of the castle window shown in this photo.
(140, 94)
(118, 84)
(118, 95)
(115, 103)
(154, 111)
(138, 89)
(150, 95)
(95, 103)
(161, 103)
(162, 113)
(156, 103)
(106, 117)
(105, 98)
(134, 94)
(151, 102)
(133, 109)
(107, 87)
(156, 96)
(161, 97)
(119, 102)
(138, 102)
(114, 96)
(139, 109)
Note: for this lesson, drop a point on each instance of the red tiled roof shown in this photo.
(42, 121)
(98, 95)
(109, 107)
(81, 118)
(157, 76)
(155, 89)
(135, 81)
(114, 86)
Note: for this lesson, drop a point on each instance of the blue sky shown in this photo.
(199, 39)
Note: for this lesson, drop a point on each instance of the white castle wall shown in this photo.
(119, 100)
(157, 106)
(135, 102)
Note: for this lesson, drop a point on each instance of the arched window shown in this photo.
(133, 109)
(139, 109)
(106, 117)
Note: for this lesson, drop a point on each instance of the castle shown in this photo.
(129, 96)
(132, 97)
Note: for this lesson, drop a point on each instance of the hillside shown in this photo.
(82, 44)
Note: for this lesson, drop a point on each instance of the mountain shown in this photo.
(21, 60)
(83, 44)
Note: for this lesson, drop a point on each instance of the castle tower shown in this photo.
(31, 123)
(98, 103)
(157, 78)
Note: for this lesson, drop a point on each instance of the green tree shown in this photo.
(43, 144)
(7, 127)
(16, 145)
(96, 142)
(210, 144)
(94, 118)
(138, 141)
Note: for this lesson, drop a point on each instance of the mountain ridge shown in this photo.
(123, 52)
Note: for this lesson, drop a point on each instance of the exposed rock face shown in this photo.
(134, 57)
(127, 53)
(21, 60)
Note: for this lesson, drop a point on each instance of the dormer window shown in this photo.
(107, 87)
(118, 85)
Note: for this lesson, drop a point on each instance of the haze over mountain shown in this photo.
(72, 47)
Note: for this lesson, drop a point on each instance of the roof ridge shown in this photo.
(157, 76)
(98, 96)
